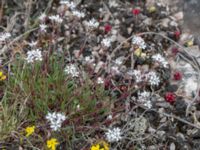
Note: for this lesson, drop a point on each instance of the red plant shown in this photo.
(177, 34)
(170, 97)
(107, 28)
(175, 50)
(136, 11)
(177, 76)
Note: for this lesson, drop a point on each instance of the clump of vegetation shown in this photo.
(34, 89)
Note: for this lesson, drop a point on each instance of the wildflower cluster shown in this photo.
(102, 145)
(93, 23)
(67, 3)
(2, 76)
(153, 78)
(56, 18)
(144, 97)
(106, 42)
(34, 55)
(71, 70)
(114, 135)
(160, 59)
(95, 70)
(4, 36)
(138, 41)
(52, 143)
(29, 130)
(55, 120)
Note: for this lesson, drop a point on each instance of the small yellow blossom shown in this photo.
(190, 43)
(100, 146)
(138, 52)
(143, 55)
(152, 9)
(29, 130)
(2, 76)
(95, 147)
(52, 143)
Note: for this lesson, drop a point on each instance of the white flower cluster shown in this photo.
(159, 58)
(69, 4)
(43, 27)
(106, 42)
(137, 74)
(89, 59)
(113, 3)
(119, 61)
(56, 18)
(115, 69)
(144, 98)
(72, 6)
(56, 120)
(34, 55)
(32, 43)
(114, 135)
(72, 70)
(78, 14)
(93, 23)
(100, 80)
(136, 40)
(42, 17)
(4, 36)
(153, 79)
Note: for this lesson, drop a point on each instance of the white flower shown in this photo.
(113, 3)
(190, 86)
(42, 17)
(56, 120)
(115, 69)
(72, 70)
(32, 43)
(56, 18)
(100, 80)
(139, 42)
(4, 36)
(109, 117)
(114, 135)
(148, 104)
(71, 5)
(137, 74)
(34, 55)
(106, 42)
(144, 95)
(153, 79)
(159, 58)
(119, 61)
(92, 23)
(88, 59)
(78, 14)
(144, 98)
(43, 27)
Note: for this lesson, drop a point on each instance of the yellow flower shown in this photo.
(152, 9)
(143, 55)
(95, 147)
(29, 130)
(100, 146)
(52, 143)
(138, 52)
(2, 76)
(190, 43)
